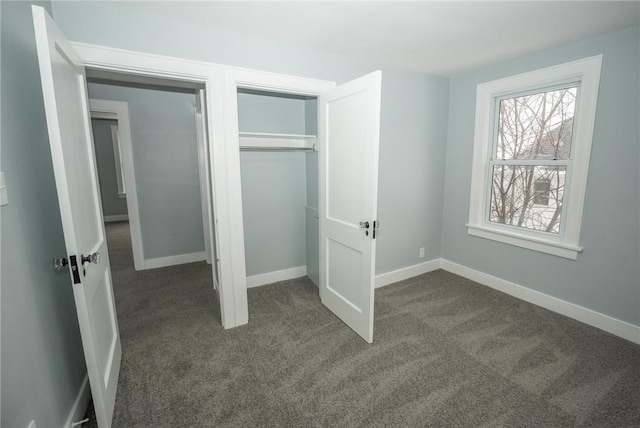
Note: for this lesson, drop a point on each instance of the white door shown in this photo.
(66, 107)
(349, 128)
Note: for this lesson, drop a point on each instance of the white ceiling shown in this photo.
(437, 37)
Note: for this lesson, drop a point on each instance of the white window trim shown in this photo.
(586, 73)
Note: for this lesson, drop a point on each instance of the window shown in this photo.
(542, 189)
(532, 149)
(531, 156)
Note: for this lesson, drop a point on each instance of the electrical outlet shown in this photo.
(421, 252)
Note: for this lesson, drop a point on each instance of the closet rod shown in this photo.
(277, 149)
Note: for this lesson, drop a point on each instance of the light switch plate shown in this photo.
(4, 198)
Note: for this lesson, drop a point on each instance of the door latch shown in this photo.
(73, 261)
(60, 262)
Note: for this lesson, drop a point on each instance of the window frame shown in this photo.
(586, 74)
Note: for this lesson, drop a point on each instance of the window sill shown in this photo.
(560, 249)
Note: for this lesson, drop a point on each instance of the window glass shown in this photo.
(536, 126)
(528, 196)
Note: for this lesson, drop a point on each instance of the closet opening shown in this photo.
(279, 180)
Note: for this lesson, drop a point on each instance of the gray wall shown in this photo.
(166, 167)
(414, 110)
(273, 200)
(605, 277)
(112, 204)
(271, 113)
(41, 352)
(411, 173)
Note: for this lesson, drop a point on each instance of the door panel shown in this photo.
(347, 166)
(348, 180)
(340, 272)
(72, 152)
(79, 178)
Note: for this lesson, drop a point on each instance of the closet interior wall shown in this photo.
(279, 186)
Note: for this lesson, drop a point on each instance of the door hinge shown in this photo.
(73, 262)
(375, 229)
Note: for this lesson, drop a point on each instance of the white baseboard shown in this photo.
(118, 217)
(279, 275)
(179, 259)
(406, 273)
(588, 316)
(80, 405)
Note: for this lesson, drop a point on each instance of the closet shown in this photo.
(279, 177)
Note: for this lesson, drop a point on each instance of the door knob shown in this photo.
(91, 258)
(60, 262)
(364, 225)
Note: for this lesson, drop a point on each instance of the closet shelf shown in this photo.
(280, 136)
(277, 149)
(253, 141)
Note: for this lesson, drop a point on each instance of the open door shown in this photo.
(210, 226)
(67, 110)
(203, 170)
(349, 128)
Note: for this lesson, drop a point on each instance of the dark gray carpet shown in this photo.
(446, 352)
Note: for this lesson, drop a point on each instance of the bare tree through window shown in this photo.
(533, 146)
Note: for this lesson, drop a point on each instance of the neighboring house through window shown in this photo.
(531, 156)
(542, 189)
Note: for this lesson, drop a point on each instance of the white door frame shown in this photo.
(203, 172)
(143, 64)
(119, 110)
(221, 84)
